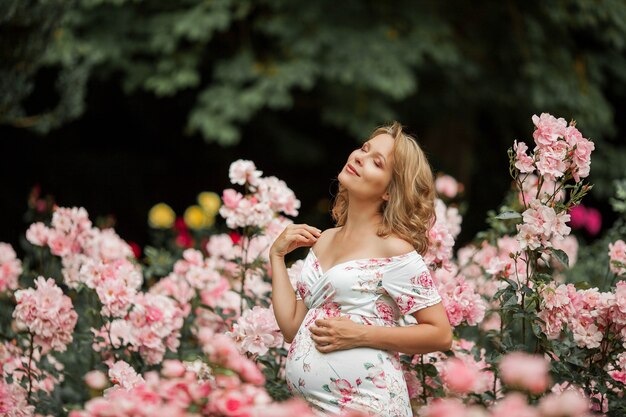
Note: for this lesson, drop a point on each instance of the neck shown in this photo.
(363, 217)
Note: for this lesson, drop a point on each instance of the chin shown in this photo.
(343, 175)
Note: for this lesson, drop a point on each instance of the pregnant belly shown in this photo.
(364, 379)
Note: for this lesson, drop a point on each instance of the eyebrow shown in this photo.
(376, 152)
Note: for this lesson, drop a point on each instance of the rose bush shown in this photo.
(90, 329)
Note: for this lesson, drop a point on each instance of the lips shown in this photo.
(352, 170)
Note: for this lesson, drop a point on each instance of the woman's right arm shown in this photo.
(288, 311)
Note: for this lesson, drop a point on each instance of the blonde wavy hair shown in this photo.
(410, 211)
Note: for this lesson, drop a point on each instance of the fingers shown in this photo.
(326, 349)
(307, 234)
(318, 331)
(322, 340)
(312, 231)
(321, 322)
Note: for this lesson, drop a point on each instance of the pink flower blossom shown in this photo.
(523, 162)
(96, 380)
(551, 161)
(242, 171)
(513, 404)
(280, 197)
(124, 376)
(223, 350)
(38, 234)
(220, 246)
(231, 198)
(460, 299)
(617, 257)
(578, 216)
(567, 404)
(548, 129)
(155, 326)
(444, 407)
(256, 331)
(593, 222)
(541, 224)
(525, 371)
(464, 377)
(13, 401)
(172, 368)
(441, 244)
(248, 212)
(10, 268)
(447, 185)
(47, 314)
(586, 335)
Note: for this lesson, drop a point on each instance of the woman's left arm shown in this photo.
(432, 333)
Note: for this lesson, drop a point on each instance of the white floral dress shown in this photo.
(375, 291)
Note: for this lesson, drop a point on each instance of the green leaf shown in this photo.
(512, 301)
(326, 388)
(561, 256)
(509, 215)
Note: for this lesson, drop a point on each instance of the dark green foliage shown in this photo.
(456, 72)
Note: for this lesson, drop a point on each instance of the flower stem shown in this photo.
(30, 361)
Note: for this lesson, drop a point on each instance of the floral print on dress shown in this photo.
(374, 291)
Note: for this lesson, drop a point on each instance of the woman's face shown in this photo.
(367, 173)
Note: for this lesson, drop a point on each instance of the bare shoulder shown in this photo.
(324, 238)
(395, 245)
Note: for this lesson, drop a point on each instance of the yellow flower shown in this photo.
(210, 202)
(161, 216)
(196, 218)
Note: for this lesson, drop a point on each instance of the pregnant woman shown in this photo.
(359, 279)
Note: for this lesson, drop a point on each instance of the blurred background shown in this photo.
(117, 105)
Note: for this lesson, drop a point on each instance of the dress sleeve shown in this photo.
(409, 283)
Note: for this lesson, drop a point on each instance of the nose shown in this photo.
(357, 159)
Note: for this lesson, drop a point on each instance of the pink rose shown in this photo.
(96, 380)
(172, 368)
(446, 185)
(231, 198)
(525, 371)
(523, 162)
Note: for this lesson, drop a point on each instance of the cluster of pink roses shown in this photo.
(14, 366)
(151, 327)
(72, 237)
(10, 268)
(442, 235)
(13, 401)
(541, 226)
(47, 314)
(116, 283)
(460, 298)
(182, 391)
(256, 331)
(268, 196)
(559, 149)
(483, 264)
(519, 371)
(589, 314)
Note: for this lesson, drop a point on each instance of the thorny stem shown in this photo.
(424, 396)
(30, 361)
(245, 244)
